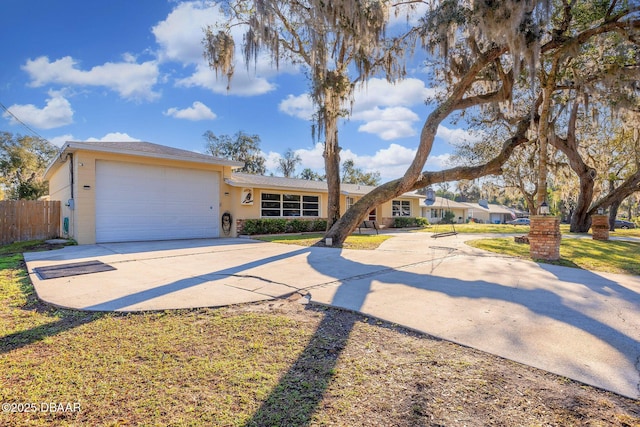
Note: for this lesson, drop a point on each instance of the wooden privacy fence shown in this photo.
(22, 220)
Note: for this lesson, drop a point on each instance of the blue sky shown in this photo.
(133, 70)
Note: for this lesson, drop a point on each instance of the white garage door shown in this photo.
(142, 202)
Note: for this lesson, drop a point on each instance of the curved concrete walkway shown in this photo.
(576, 323)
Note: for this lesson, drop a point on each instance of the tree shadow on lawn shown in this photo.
(66, 320)
(296, 398)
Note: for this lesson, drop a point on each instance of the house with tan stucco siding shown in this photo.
(137, 191)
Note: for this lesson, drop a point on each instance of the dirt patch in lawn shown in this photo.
(369, 372)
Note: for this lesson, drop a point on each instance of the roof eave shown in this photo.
(230, 182)
(73, 146)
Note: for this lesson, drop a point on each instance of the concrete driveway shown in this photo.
(576, 323)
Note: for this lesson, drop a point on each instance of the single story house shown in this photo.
(490, 213)
(435, 209)
(137, 191)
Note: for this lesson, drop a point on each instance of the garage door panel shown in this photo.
(145, 202)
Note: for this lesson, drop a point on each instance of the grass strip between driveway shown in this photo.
(610, 256)
(273, 363)
(355, 241)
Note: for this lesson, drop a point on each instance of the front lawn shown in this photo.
(474, 227)
(355, 241)
(609, 256)
(276, 363)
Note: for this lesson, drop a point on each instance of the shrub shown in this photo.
(448, 218)
(282, 225)
(422, 222)
(405, 222)
(297, 226)
(318, 225)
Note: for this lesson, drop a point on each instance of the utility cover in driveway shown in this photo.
(73, 269)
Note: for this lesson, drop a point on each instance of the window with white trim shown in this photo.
(401, 208)
(350, 202)
(279, 205)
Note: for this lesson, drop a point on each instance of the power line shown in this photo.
(21, 122)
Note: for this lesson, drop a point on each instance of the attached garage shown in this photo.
(138, 191)
(146, 202)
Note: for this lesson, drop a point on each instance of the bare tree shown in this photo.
(288, 162)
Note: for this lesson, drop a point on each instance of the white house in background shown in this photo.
(435, 209)
(489, 213)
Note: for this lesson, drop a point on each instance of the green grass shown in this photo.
(276, 363)
(632, 232)
(206, 366)
(608, 256)
(355, 241)
(473, 227)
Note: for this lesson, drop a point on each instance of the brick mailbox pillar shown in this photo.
(544, 237)
(600, 227)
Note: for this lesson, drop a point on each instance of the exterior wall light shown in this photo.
(544, 209)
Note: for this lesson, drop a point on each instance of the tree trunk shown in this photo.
(329, 114)
(581, 218)
(613, 214)
(354, 216)
(332, 170)
(627, 188)
(413, 177)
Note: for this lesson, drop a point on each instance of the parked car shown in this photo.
(624, 224)
(520, 221)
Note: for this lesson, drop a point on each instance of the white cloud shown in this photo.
(456, 136)
(297, 106)
(180, 34)
(392, 162)
(388, 123)
(59, 141)
(383, 107)
(439, 162)
(114, 137)
(129, 79)
(197, 111)
(312, 157)
(243, 84)
(271, 160)
(180, 38)
(381, 93)
(56, 113)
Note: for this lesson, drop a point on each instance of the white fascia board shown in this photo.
(74, 146)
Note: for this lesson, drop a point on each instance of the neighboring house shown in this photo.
(435, 209)
(137, 191)
(489, 213)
